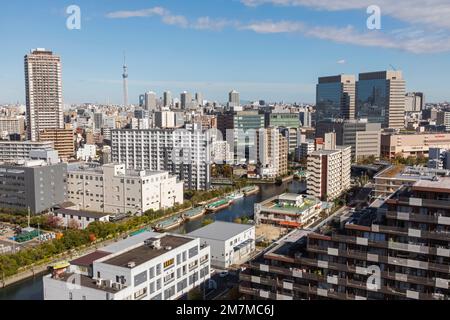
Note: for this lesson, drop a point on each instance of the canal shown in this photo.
(32, 288)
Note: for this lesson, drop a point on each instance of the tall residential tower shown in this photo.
(43, 87)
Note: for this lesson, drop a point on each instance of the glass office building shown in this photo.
(380, 98)
(335, 98)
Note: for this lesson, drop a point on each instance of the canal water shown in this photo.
(32, 288)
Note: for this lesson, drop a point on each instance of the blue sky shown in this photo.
(266, 49)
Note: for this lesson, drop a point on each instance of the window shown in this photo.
(169, 293)
(193, 252)
(182, 285)
(158, 284)
(140, 278)
(152, 288)
(158, 269)
(152, 272)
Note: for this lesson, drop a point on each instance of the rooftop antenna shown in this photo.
(395, 69)
(125, 81)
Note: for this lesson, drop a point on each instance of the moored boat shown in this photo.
(250, 190)
(218, 205)
(194, 213)
(169, 224)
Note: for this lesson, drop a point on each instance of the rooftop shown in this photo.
(87, 260)
(273, 204)
(129, 242)
(402, 172)
(83, 213)
(85, 281)
(145, 253)
(441, 183)
(220, 230)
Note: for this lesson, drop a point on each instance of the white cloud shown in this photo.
(156, 11)
(433, 13)
(408, 39)
(342, 61)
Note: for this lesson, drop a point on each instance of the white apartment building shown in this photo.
(148, 266)
(165, 119)
(304, 150)
(113, 189)
(272, 153)
(184, 153)
(87, 153)
(11, 125)
(15, 150)
(140, 124)
(330, 172)
(231, 243)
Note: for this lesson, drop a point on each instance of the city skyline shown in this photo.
(265, 50)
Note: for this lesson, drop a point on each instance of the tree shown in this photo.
(53, 221)
(73, 224)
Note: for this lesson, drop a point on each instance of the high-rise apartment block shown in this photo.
(234, 99)
(150, 101)
(43, 86)
(272, 153)
(181, 152)
(330, 170)
(399, 251)
(63, 141)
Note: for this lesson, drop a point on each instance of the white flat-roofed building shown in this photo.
(287, 210)
(149, 266)
(112, 188)
(87, 153)
(231, 243)
(16, 150)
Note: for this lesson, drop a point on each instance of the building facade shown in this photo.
(112, 188)
(17, 150)
(403, 244)
(32, 184)
(231, 244)
(335, 98)
(415, 145)
(43, 86)
(63, 141)
(181, 152)
(148, 266)
(329, 172)
(380, 98)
